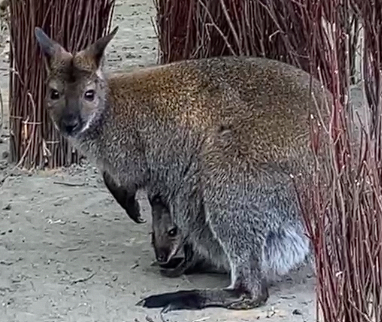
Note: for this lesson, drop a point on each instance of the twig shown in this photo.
(81, 280)
(217, 28)
(232, 27)
(2, 113)
(70, 184)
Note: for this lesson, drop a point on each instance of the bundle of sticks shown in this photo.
(34, 140)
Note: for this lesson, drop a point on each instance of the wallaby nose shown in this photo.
(70, 125)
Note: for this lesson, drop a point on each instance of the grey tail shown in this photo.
(285, 249)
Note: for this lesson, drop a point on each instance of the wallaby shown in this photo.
(219, 138)
(167, 240)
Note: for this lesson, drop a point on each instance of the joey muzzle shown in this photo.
(162, 255)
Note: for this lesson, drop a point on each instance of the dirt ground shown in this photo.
(69, 252)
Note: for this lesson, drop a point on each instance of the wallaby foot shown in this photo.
(124, 198)
(233, 299)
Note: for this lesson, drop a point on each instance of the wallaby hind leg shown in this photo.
(243, 244)
(124, 198)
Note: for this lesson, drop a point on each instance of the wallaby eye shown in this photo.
(89, 95)
(54, 94)
(172, 232)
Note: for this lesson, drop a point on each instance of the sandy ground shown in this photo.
(69, 253)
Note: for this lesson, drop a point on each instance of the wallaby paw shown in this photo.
(134, 213)
(246, 304)
(138, 220)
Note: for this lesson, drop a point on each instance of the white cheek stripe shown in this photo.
(88, 123)
(99, 74)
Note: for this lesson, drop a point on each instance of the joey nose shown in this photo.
(162, 257)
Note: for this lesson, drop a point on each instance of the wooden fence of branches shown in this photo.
(34, 142)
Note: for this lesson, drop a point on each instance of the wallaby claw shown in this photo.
(246, 304)
(139, 220)
(133, 210)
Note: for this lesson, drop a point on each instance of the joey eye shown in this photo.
(172, 232)
(89, 95)
(155, 199)
(54, 94)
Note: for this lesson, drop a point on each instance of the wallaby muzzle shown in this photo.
(70, 124)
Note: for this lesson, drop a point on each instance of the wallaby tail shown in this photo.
(199, 299)
(286, 249)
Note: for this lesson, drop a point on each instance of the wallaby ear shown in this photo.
(96, 50)
(49, 47)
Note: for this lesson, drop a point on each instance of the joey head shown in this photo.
(165, 237)
(168, 241)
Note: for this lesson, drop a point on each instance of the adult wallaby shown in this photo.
(218, 137)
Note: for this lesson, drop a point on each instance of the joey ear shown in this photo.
(49, 47)
(96, 50)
